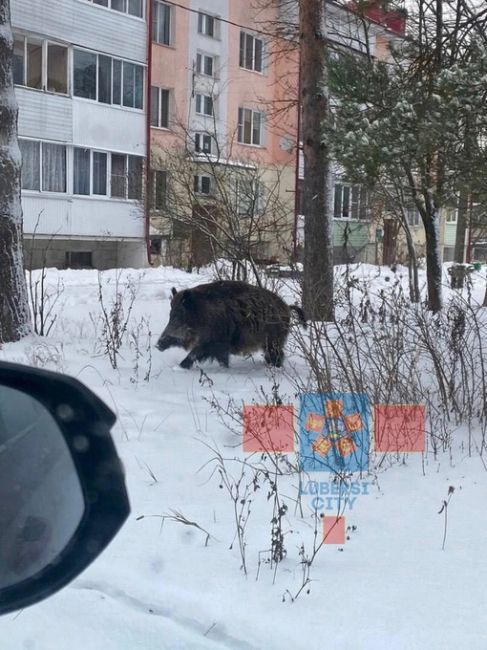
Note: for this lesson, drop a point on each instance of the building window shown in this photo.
(119, 82)
(248, 197)
(451, 214)
(159, 107)
(81, 171)
(249, 126)
(43, 166)
(412, 216)
(79, 260)
(204, 104)
(205, 64)
(126, 176)
(119, 176)
(350, 202)
(202, 184)
(251, 49)
(156, 245)
(135, 168)
(31, 164)
(90, 174)
(99, 173)
(162, 23)
(202, 143)
(40, 64)
(159, 189)
(208, 25)
(131, 7)
(84, 74)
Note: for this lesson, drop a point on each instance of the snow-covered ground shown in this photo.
(159, 585)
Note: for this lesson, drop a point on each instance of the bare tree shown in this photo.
(14, 310)
(318, 226)
(218, 206)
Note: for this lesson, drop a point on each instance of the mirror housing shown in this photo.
(84, 422)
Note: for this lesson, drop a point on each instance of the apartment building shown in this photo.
(80, 81)
(206, 93)
(224, 95)
(214, 93)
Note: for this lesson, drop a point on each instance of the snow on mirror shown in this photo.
(42, 501)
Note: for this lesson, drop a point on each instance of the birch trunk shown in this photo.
(14, 308)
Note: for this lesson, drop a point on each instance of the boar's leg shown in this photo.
(206, 351)
(273, 352)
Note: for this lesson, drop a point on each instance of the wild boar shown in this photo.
(215, 320)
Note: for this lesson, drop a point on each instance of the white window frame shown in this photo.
(122, 62)
(159, 124)
(200, 139)
(413, 217)
(125, 12)
(67, 170)
(91, 193)
(250, 202)
(201, 100)
(243, 52)
(451, 215)
(45, 43)
(198, 184)
(155, 23)
(204, 21)
(201, 58)
(241, 126)
(362, 196)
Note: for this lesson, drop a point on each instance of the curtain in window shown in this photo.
(81, 175)
(53, 167)
(30, 152)
(99, 173)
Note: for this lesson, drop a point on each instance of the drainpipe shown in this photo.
(296, 171)
(147, 176)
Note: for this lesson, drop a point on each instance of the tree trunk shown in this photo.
(414, 293)
(461, 227)
(433, 260)
(14, 309)
(317, 185)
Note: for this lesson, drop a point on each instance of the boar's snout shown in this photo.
(175, 335)
(163, 343)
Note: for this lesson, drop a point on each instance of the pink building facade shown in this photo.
(223, 105)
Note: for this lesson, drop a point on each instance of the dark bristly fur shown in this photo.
(215, 320)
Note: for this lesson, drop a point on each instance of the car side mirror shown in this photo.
(62, 488)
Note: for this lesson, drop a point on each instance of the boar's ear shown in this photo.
(173, 291)
(187, 298)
